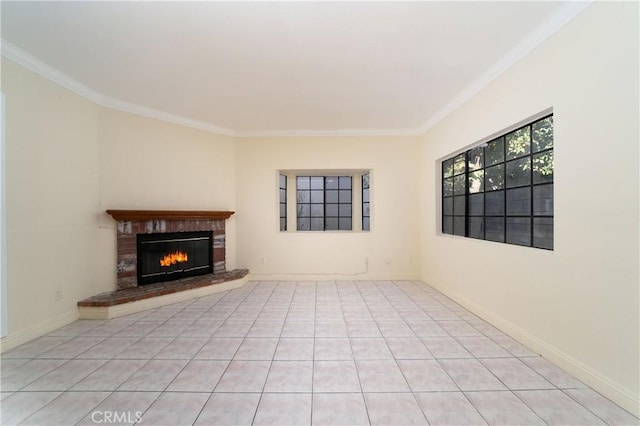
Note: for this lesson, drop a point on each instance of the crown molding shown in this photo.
(533, 40)
(544, 31)
(326, 133)
(117, 104)
(45, 70)
(30, 62)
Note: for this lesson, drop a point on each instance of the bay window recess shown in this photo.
(317, 201)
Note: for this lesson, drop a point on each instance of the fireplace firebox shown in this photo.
(173, 255)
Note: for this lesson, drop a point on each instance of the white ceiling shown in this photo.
(265, 68)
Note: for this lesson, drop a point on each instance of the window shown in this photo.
(283, 202)
(323, 203)
(503, 190)
(366, 206)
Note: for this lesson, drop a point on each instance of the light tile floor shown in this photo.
(346, 353)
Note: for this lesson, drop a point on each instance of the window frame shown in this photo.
(520, 151)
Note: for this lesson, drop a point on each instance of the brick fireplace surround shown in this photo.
(133, 222)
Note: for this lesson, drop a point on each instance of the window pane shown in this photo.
(345, 210)
(332, 224)
(317, 182)
(494, 229)
(345, 196)
(366, 225)
(458, 164)
(543, 200)
(365, 181)
(283, 181)
(543, 167)
(365, 195)
(283, 224)
(331, 182)
(317, 210)
(302, 196)
(332, 210)
(543, 232)
(494, 152)
(476, 205)
(304, 224)
(317, 224)
(345, 182)
(283, 210)
(459, 185)
(317, 196)
(476, 227)
(494, 177)
(365, 209)
(447, 167)
(447, 206)
(345, 223)
(519, 230)
(518, 172)
(476, 158)
(447, 187)
(476, 181)
(494, 203)
(447, 225)
(458, 206)
(283, 195)
(543, 134)
(332, 196)
(519, 202)
(303, 182)
(518, 143)
(304, 210)
(458, 226)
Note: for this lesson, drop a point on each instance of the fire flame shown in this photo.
(173, 258)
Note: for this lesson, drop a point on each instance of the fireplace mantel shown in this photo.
(131, 215)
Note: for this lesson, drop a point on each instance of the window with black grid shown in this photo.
(283, 203)
(366, 204)
(323, 203)
(503, 190)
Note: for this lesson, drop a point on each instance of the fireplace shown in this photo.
(156, 228)
(173, 255)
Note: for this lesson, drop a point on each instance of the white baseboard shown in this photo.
(108, 312)
(602, 384)
(332, 277)
(37, 330)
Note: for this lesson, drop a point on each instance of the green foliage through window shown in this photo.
(502, 190)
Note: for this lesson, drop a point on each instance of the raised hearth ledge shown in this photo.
(130, 301)
(131, 215)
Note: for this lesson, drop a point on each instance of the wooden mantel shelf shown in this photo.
(131, 215)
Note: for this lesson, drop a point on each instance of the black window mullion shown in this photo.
(466, 194)
(504, 189)
(531, 185)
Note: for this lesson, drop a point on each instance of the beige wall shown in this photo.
(68, 160)
(52, 201)
(578, 305)
(150, 164)
(329, 255)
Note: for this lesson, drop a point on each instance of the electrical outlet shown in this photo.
(59, 295)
